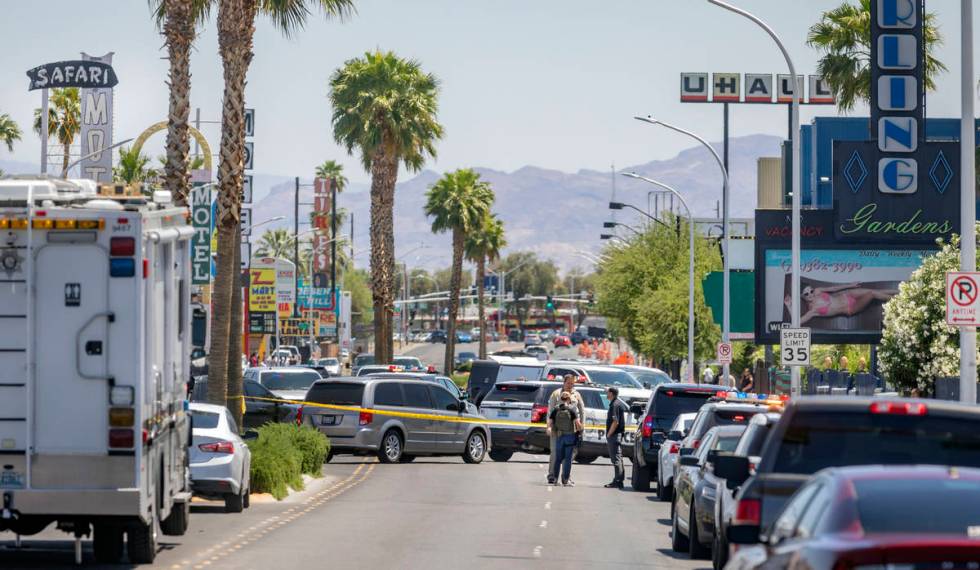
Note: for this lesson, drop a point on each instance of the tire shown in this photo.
(501, 455)
(664, 492)
(476, 447)
(719, 550)
(329, 457)
(586, 459)
(234, 503)
(107, 543)
(677, 542)
(176, 523)
(406, 458)
(391, 448)
(141, 541)
(247, 498)
(640, 478)
(697, 550)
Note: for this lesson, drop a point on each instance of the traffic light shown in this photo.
(549, 304)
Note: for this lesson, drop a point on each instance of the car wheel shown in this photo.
(476, 448)
(678, 542)
(640, 478)
(719, 550)
(176, 523)
(108, 543)
(586, 459)
(141, 539)
(695, 548)
(329, 457)
(501, 454)
(234, 503)
(247, 498)
(406, 458)
(663, 492)
(391, 447)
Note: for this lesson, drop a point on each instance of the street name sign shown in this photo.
(794, 347)
(962, 299)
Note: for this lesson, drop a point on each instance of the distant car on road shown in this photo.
(463, 337)
(219, 459)
(649, 377)
(331, 365)
(562, 340)
(361, 360)
(532, 339)
(437, 337)
(409, 363)
(514, 335)
(463, 358)
(395, 438)
(577, 337)
(537, 351)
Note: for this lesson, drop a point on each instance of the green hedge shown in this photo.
(282, 454)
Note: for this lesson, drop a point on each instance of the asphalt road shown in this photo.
(434, 353)
(433, 513)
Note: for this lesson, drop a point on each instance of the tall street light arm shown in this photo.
(621, 205)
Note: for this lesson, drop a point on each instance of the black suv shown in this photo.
(521, 402)
(666, 403)
(261, 405)
(486, 373)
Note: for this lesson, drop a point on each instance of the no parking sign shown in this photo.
(962, 299)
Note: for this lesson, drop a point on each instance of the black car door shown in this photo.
(259, 409)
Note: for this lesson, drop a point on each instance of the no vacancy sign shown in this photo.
(962, 302)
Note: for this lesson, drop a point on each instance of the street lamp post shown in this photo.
(612, 225)
(690, 262)
(797, 194)
(726, 290)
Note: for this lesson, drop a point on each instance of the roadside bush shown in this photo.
(282, 454)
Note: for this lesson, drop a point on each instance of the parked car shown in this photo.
(219, 459)
(562, 340)
(749, 446)
(463, 358)
(577, 337)
(648, 377)
(378, 369)
(666, 402)
(437, 337)
(814, 433)
(286, 382)
(515, 335)
(546, 335)
(361, 360)
(861, 517)
(693, 492)
(331, 365)
(484, 374)
(394, 437)
(463, 337)
(532, 339)
(294, 356)
(668, 454)
(409, 363)
(261, 405)
(537, 351)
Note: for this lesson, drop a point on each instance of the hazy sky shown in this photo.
(553, 83)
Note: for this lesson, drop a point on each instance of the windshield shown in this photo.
(288, 380)
(650, 377)
(940, 506)
(613, 378)
(364, 359)
(816, 440)
(508, 372)
(329, 362)
(407, 362)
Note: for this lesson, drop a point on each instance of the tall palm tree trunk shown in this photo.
(481, 268)
(384, 172)
(236, 27)
(179, 31)
(454, 287)
(235, 348)
(65, 158)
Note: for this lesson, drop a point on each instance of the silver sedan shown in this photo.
(220, 460)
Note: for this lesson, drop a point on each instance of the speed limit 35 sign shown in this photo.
(794, 347)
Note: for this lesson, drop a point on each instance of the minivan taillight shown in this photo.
(748, 512)
(647, 429)
(365, 418)
(538, 414)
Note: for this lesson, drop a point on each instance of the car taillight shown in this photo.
(748, 512)
(899, 408)
(122, 247)
(696, 443)
(299, 416)
(674, 448)
(365, 418)
(538, 414)
(738, 418)
(121, 438)
(217, 447)
(647, 429)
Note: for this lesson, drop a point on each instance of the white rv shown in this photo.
(95, 340)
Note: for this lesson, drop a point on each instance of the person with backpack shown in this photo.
(568, 385)
(567, 424)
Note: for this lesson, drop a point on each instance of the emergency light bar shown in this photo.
(48, 224)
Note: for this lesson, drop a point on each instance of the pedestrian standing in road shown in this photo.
(567, 423)
(553, 402)
(615, 428)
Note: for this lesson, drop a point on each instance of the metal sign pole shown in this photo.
(968, 217)
(44, 131)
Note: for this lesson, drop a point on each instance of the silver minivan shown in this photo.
(380, 419)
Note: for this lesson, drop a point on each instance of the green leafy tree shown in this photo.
(276, 243)
(483, 245)
(385, 107)
(133, 167)
(9, 131)
(334, 170)
(64, 120)
(457, 203)
(843, 36)
(527, 276)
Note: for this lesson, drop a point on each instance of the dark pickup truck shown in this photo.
(820, 432)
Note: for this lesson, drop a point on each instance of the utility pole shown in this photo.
(296, 245)
(968, 215)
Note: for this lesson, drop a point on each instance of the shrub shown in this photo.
(282, 454)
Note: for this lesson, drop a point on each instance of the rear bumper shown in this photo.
(76, 502)
(363, 440)
(216, 487)
(532, 440)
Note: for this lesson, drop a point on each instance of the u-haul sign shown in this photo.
(753, 88)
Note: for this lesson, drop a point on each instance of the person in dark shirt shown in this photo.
(615, 428)
(567, 424)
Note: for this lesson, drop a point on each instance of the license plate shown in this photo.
(628, 437)
(11, 480)
(328, 420)
(503, 413)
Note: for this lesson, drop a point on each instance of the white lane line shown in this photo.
(544, 524)
(537, 551)
(547, 505)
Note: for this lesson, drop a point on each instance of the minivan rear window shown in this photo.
(815, 440)
(518, 393)
(668, 404)
(338, 393)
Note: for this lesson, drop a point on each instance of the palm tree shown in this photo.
(385, 107)
(335, 171)
(482, 246)
(236, 29)
(276, 243)
(457, 203)
(844, 36)
(9, 131)
(132, 167)
(64, 120)
(178, 19)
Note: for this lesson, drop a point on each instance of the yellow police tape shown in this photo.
(411, 415)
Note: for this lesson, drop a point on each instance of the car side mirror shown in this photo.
(743, 534)
(733, 468)
(685, 451)
(675, 436)
(689, 461)
(250, 434)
